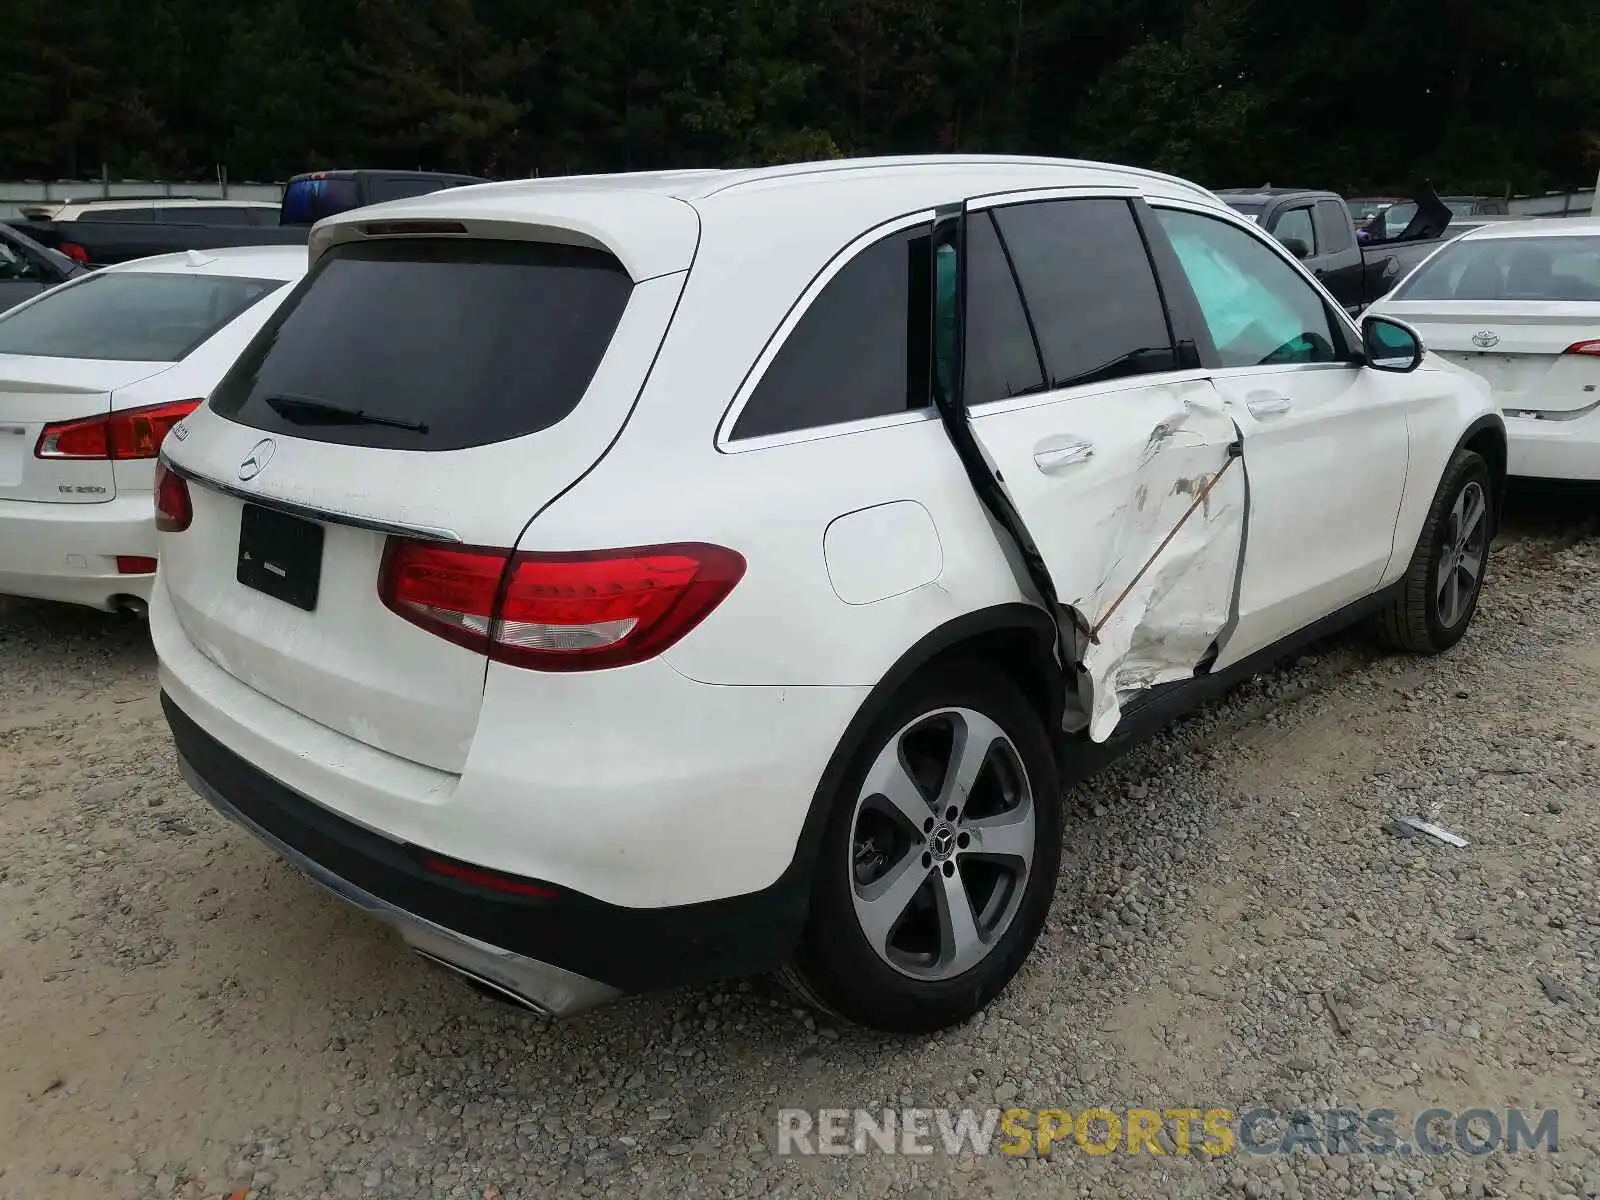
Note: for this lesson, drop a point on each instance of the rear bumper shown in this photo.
(540, 986)
(68, 552)
(1554, 449)
(557, 955)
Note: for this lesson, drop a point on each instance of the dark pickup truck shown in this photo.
(108, 238)
(1317, 228)
(27, 268)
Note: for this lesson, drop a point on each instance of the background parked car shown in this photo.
(1317, 227)
(1518, 303)
(92, 377)
(100, 233)
(28, 268)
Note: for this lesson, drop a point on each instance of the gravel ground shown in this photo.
(182, 1015)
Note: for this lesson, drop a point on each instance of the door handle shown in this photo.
(1053, 454)
(1266, 406)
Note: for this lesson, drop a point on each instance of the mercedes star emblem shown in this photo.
(260, 455)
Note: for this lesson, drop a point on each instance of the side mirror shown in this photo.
(1391, 345)
(1297, 247)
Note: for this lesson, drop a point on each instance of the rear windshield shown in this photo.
(430, 344)
(1250, 208)
(307, 201)
(133, 316)
(1543, 268)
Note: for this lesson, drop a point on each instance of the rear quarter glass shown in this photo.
(465, 343)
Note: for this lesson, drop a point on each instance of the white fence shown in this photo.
(1554, 204)
(15, 193)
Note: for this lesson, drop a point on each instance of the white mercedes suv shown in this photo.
(626, 581)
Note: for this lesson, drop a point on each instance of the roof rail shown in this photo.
(828, 166)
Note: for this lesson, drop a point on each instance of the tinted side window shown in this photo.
(1089, 288)
(207, 215)
(1294, 224)
(1334, 230)
(1258, 308)
(851, 354)
(1001, 357)
(380, 189)
(142, 215)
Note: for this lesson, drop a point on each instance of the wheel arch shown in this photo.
(1486, 437)
(1018, 638)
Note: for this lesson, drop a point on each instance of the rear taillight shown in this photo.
(133, 433)
(135, 564)
(174, 510)
(1591, 348)
(574, 611)
(75, 252)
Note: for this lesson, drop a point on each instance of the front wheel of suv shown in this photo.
(1440, 590)
(938, 860)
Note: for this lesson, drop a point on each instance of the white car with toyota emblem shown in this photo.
(1518, 303)
(93, 375)
(628, 581)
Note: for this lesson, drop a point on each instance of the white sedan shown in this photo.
(1519, 304)
(93, 374)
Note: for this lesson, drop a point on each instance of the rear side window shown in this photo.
(399, 188)
(1090, 289)
(1542, 268)
(1334, 230)
(1002, 359)
(142, 215)
(206, 215)
(130, 316)
(857, 352)
(431, 344)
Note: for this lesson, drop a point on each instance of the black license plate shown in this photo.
(280, 555)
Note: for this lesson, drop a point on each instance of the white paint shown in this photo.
(882, 551)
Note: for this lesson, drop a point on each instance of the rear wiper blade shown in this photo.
(288, 405)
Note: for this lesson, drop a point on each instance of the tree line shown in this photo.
(1349, 94)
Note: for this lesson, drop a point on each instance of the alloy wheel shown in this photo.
(1460, 570)
(942, 841)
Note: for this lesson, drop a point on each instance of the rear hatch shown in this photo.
(416, 390)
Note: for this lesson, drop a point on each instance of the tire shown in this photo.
(915, 973)
(1420, 620)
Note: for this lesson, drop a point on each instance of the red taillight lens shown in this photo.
(135, 564)
(174, 510)
(134, 433)
(558, 611)
(75, 252)
(1591, 348)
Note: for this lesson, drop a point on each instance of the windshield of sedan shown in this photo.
(1521, 268)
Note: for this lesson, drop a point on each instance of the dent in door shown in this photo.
(1169, 591)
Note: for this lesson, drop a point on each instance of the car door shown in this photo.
(1327, 438)
(1339, 266)
(1111, 442)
